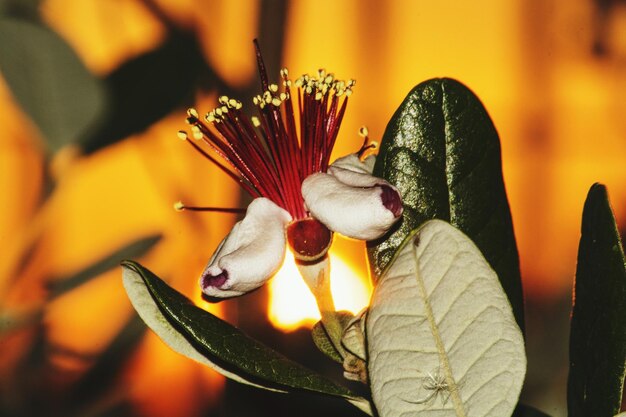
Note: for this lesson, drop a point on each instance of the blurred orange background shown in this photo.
(552, 81)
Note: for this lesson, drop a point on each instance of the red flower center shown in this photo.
(309, 239)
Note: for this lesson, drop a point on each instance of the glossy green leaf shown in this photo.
(49, 81)
(598, 330)
(134, 250)
(441, 336)
(201, 336)
(526, 411)
(442, 151)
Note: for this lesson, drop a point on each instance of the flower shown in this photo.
(299, 198)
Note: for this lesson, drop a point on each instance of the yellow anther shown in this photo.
(348, 92)
(255, 121)
(363, 132)
(210, 117)
(224, 109)
(273, 88)
(284, 72)
(218, 112)
(276, 101)
(283, 96)
(233, 103)
(191, 112)
(223, 99)
(179, 206)
(197, 134)
(182, 135)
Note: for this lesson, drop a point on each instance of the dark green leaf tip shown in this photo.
(442, 151)
(598, 329)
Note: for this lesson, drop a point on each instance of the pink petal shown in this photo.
(250, 254)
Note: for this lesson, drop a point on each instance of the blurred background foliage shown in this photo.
(92, 93)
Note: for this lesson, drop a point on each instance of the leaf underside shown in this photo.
(442, 151)
(598, 329)
(206, 338)
(442, 338)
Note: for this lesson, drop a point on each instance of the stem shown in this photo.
(317, 277)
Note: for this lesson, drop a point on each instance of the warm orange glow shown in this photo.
(557, 106)
(291, 304)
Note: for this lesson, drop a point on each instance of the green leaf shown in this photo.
(442, 151)
(322, 340)
(441, 335)
(139, 96)
(49, 81)
(136, 249)
(526, 411)
(11, 321)
(201, 336)
(103, 376)
(598, 330)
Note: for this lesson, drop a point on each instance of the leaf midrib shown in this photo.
(443, 356)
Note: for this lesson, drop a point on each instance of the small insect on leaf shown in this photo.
(435, 386)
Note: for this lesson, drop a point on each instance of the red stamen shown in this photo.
(181, 207)
(273, 157)
(261, 65)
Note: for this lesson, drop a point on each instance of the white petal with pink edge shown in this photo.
(250, 254)
(352, 202)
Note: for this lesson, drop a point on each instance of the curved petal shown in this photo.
(355, 204)
(250, 254)
(353, 163)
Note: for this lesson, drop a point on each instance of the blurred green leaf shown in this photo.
(28, 9)
(49, 81)
(14, 320)
(598, 330)
(442, 151)
(526, 411)
(201, 336)
(148, 87)
(137, 249)
(102, 377)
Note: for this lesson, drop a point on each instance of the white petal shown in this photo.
(250, 254)
(352, 162)
(355, 204)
